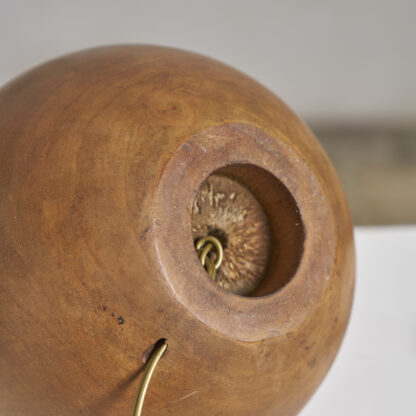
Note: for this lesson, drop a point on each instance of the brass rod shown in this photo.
(203, 247)
(157, 353)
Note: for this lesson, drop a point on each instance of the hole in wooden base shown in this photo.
(257, 221)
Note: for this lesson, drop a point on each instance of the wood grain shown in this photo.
(102, 154)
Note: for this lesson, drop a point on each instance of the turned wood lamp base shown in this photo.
(114, 162)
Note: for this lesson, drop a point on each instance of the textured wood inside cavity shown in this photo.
(226, 209)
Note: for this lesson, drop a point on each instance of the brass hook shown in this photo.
(204, 246)
(159, 350)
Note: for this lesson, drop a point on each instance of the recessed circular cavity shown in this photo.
(290, 206)
(227, 210)
(258, 223)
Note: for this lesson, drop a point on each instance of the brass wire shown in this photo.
(157, 353)
(204, 247)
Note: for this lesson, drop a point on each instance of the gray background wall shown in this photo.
(350, 60)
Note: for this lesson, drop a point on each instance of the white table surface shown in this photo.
(375, 371)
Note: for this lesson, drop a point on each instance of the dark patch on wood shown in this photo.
(144, 232)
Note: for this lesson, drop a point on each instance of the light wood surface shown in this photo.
(377, 167)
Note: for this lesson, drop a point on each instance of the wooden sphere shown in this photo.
(105, 158)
